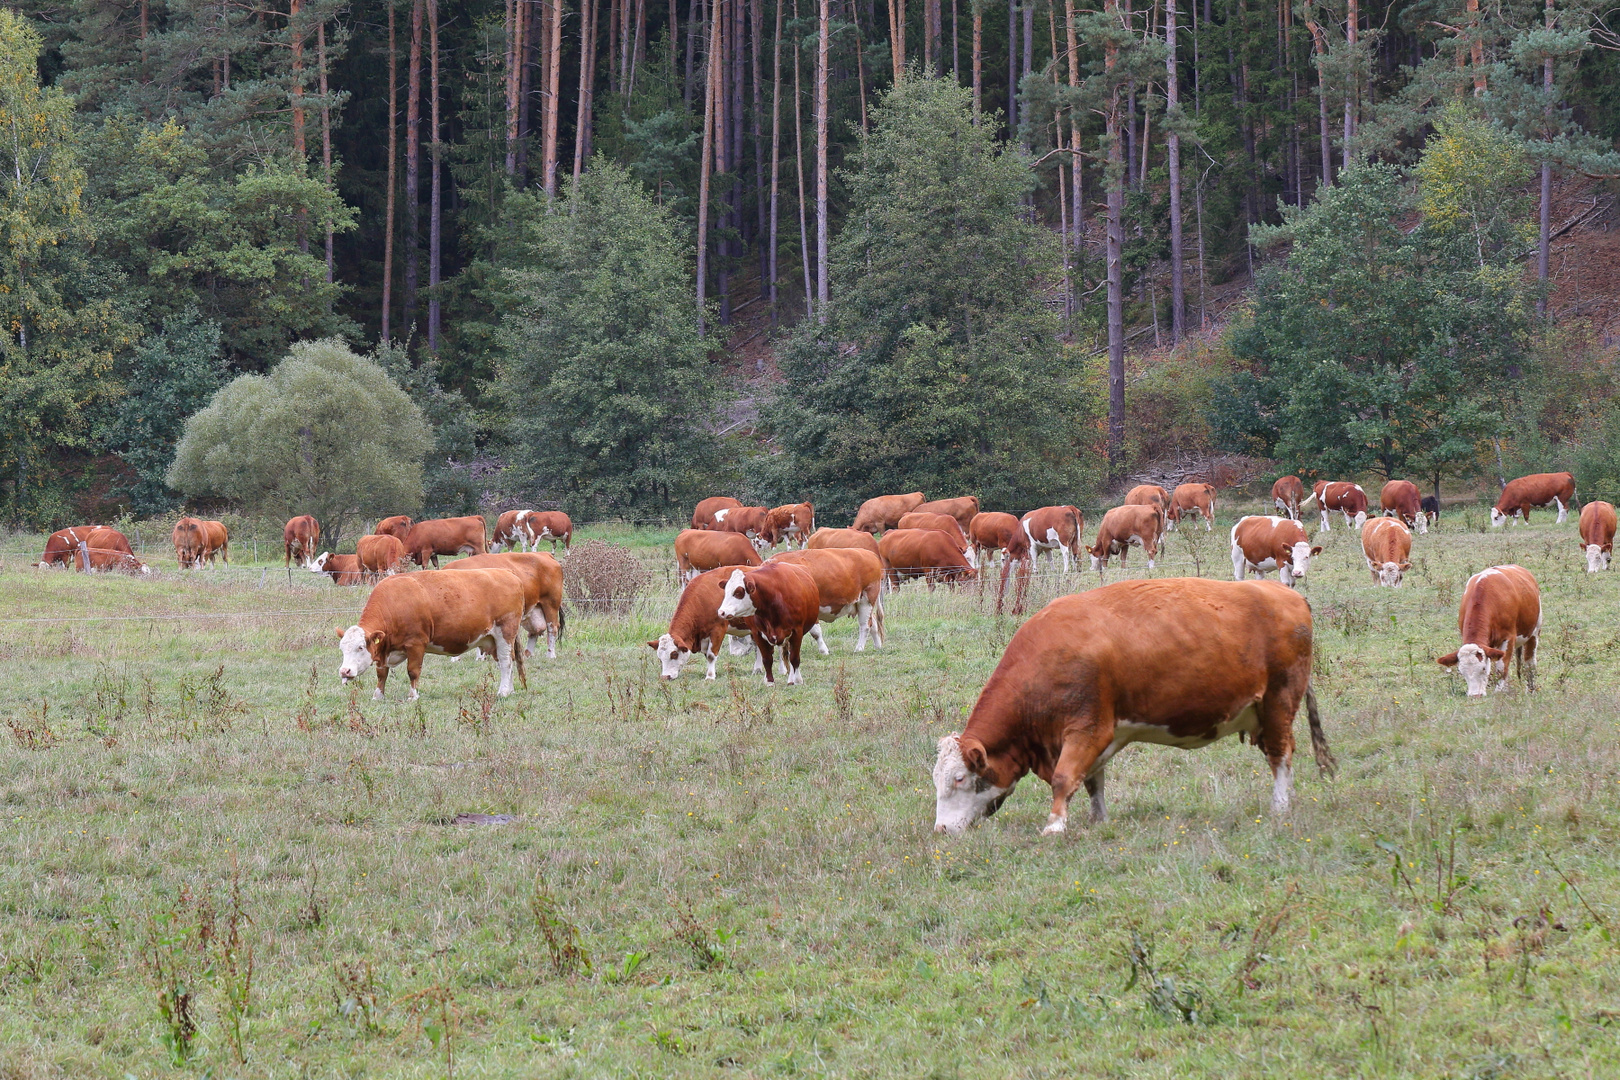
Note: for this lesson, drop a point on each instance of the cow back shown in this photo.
(842, 575)
(842, 538)
(993, 529)
(703, 513)
(704, 549)
(1598, 524)
(885, 511)
(922, 551)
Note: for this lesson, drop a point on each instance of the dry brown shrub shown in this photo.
(604, 578)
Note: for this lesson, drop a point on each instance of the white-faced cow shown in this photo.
(1138, 524)
(1500, 615)
(785, 605)
(1538, 490)
(697, 626)
(1597, 534)
(1261, 543)
(342, 569)
(1387, 544)
(1178, 662)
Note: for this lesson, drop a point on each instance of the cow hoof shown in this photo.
(1055, 825)
(377, 695)
(412, 696)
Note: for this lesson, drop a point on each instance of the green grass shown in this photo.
(753, 872)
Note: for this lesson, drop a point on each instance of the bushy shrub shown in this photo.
(604, 578)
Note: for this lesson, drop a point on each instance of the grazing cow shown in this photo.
(1500, 616)
(925, 553)
(1054, 528)
(1538, 490)
(542, 578)
(795, 521)
(342, 569)
(785, 605)
(446, 613)
(109, 549)
(850, 582)
(446, 536)
(399, 525)
(962, 509)
(1195, 499)
(1262, 543)
(1431, 509)
(842, 538)
(703, 515)
(1387, 544)
(1134, 523)
(300, 537)
(992, 530)
(1286, 495)
(697, 626)
(219, 542)
(697, 550)
(1150, 495)
(62, 546)
(753, 522)
(945, 523)
(1401, 498)
(1016, 550)
(1179, 662)
(885, 511)
(190, 539)
(523, 530)
(381, 555)
(1341, 495)
(1597, 535)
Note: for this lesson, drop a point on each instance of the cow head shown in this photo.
(1360, 520)
(359, 652)
(1299, 561)
(1475, 663)
(1389, 574)
(963, 794)
(317, 565)
(1597, 558)
(1498, 519)
(672, 655)
(738, 603)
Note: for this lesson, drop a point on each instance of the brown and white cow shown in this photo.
(990, 531)
(1179, 662)
(399, 525)
(1134, 523)
(1197, 500)
(850, 582)
(446, 536)
(885, 511)
(1286, 495)
(1054, 528)
(859, 539)
(795, 521)
(1262, 542)
(962, 509)
(1387, 544)
(697, 550)
(381, 555)
(753, 522)
(1597, 534)
(62, 546)
(696, 627)
(1150, 495)
(1347, 498)
(522, 530)
(1538, 490)
(925, 553)
(342, 569)
(703, 513)
(785, 605)
(1015, 552)
(108, 549)
(1402, 499)
(945, 523)
(542, 578)
(443, 613)
(1500, 616)
(300, 538)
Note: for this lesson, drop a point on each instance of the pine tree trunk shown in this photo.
(413, 166)
(587, 64)
(721, 10)
(1172, 149)
(531, 34)
(756, 26)
(435, 208)
(295, 33)
(1075, 159)
(711, 71)
(1012, 68)
(776, 156)
(823, 47)
(514, 53)
(1114, 255)
(548, 159)
(326, 143)
(798, 164)
(393, 162)
(956, 46)
(1319, 40)
(978, 60)
(1352, 28)
(1544, 236)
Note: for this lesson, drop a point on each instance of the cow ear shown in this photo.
(652, 645)
(340, 633)
(1317, 550)
(376, 639)
(1405, 566)
(1494, 654)
(1448, 660)
(974, 757)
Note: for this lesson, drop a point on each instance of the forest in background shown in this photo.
(200, 185)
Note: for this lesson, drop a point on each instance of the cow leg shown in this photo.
(766, 657)
(413, 669)
(1563, 511)
(382, 680)
(815, 632)
(863, 621)
(1240, 563)
(790, 655)
(878, 632)
(503, 659)
(1325, 526)
(1527, 661)
(1094, 788)
(1152, 553)
(1074, 764)
(553, 620)
(1275, 738)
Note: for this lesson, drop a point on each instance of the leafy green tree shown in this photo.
(606, 391)
(326, 433)
(938, 366)
(448, 486)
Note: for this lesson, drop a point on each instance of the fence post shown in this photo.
(84, 555)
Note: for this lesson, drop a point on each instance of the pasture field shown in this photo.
(202, 827)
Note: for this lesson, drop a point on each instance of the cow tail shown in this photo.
(562, 621)
(1325, 762)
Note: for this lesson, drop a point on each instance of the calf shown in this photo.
(446, 536)
(1054, 528)
(1134, 523)
(62, 546)
(342, 569)
(697, 550)
(795, 521)
(1195, 499)
(1500, 616)
(785, 605)
(399, 525)
(299, 538)
(944, 523)
(753, 522)
(1271, 543)
(842, 538)
(1179, 662)
(1431, 509)
(703, 513)
(1387, 544)
(923, 553)
(1597, 535)
(445, 613)
(1401, 498)
(992, 530)
(1341, 495)
(962, 509)
(542, 578)
(524, 529)
(885, 511)
(1286, 494)
(850, 582)
(1541, 489)
(697, 625)
(381, 555)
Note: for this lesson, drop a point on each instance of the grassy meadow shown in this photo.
(219, 862)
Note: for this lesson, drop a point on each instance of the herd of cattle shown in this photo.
(1180, 661)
